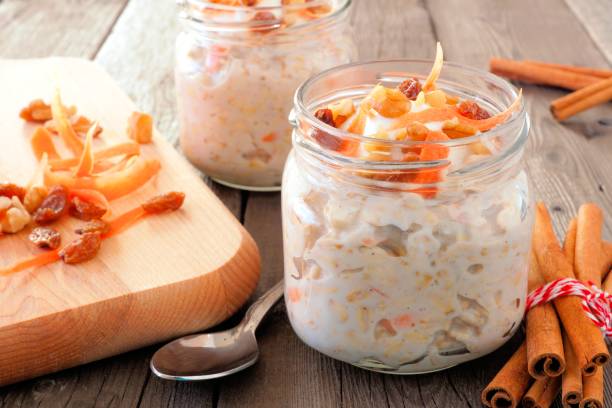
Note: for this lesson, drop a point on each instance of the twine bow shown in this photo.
(596, 303)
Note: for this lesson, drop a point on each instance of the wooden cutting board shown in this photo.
(169, 275)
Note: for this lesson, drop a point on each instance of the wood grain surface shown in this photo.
(166, 276)
(570, 161)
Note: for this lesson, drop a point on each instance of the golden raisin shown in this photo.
(99, 226)
(411, 88)
(9, 190)
(324, 139)
(81, 249)
(472, 110)
(53, 206)
(166, 202)
(86, 211)
(36, 111)
(44, 237)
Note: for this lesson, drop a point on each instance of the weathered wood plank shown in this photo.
(596, 16)
(48, 27)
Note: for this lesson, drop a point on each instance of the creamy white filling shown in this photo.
(402, 280)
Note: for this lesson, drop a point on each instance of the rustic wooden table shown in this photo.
(134, 40)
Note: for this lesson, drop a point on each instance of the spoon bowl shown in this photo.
(206, 356)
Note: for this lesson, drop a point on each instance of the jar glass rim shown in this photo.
(302, 110)
(340, 8)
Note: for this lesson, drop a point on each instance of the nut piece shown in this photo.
(34, 198)
(44, 237)
(86, 211)
(97, 226)
(166, 202)
(15, 218)
(53, 206)
(81, 249)
(140, 127)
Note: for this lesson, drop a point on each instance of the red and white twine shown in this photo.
(596, 303)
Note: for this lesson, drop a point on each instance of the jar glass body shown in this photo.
(388, 277)
(235, 88)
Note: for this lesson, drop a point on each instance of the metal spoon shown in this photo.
(207, 356)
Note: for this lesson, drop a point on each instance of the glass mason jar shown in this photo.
(237, 69)
(400, 277)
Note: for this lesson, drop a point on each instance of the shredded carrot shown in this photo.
(86, 162)
(430, 82)
(42, 142)
(128, 149)
(64, 127)
(113, 185)
(294, 294)
(489, 123)
(43, 259)
(124, 221)
(429, 115)
(403, 321)
(431, 152)
(269, 137)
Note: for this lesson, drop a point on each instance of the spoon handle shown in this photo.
(261, 307)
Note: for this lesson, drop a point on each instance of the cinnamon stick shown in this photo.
(593, 389)
(510, 384)
(586, 339)
(599, 73)
(587, 97)
(571, 381)
(542, 393)
(537, 74)
(569, 244)
(589, 260)
(607, 259)
(545, 357)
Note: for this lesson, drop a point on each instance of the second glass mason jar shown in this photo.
(397, 277)
(237, 69)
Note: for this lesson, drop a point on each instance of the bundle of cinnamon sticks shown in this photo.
(564, 351)
(591, 86)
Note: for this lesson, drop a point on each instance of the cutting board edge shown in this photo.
(236, 279)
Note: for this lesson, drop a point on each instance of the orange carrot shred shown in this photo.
(124, 221)
(43, 259)
(86, 162)
(42, 142)
(128, 149)
(64, 127)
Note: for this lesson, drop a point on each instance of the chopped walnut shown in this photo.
(15, 216)
(34, 198)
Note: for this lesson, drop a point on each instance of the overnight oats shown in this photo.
(406, 214)
(238, 65)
